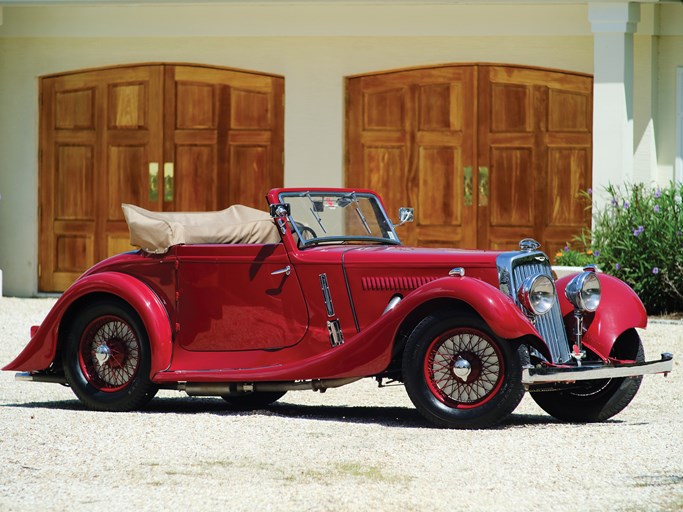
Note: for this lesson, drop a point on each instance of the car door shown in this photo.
(238, 297)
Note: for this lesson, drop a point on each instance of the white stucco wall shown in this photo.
(314, 50)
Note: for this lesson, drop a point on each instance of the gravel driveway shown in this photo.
(354, 448)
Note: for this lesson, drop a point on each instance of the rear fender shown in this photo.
(42, 349)
(620, 309)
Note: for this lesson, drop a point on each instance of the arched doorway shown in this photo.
(487, 154)
(163, 136)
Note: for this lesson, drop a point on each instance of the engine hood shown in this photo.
(418, 257)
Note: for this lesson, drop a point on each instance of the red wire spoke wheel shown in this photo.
(107, 358)
(464, 368)
(109, 353)
(459, 374)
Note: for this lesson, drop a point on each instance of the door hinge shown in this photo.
(40, 270)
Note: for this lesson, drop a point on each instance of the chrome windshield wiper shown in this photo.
(349, 198)
(363, 220)
(315, 214)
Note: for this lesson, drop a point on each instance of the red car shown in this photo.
(319, 293)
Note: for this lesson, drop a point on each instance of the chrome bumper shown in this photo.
(532, 375)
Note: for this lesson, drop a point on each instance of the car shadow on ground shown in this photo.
(387, 416)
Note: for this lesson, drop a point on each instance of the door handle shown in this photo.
(467, 184)
(286, 271)
(483, 186)
(168, 181)
(153, 175)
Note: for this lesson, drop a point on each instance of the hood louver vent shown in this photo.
(399, 283)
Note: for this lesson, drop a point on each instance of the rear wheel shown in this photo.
(459, 374)
(596, 400)
(106, 357)
(253, 400)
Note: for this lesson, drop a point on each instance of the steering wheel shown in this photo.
(307, 233)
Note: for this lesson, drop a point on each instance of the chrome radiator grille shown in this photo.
(513, 268)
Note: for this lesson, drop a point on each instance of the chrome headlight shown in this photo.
(583, 291)
(537, 294)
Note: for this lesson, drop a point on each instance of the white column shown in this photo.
(613, 25)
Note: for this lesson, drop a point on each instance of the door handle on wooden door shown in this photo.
(483, 186)
(467, 184)
(168, 181)
(153, 175)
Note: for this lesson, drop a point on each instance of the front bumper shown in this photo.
(549, 374)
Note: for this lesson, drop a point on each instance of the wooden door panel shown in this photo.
(251, 110)
(68, 180)
(75, 197)
(128, 179)
(195, 178)
(128, 107)
(384, 109)
(440, 192)
(224, 135)
(108, 135)
(511, 189)
(250, 164)
(487, 154)
(541, 120)
(132, 141)
(406, 139)
(195, 106)
(569, 166)
(570, 111)
(511, 108)
(74, 109)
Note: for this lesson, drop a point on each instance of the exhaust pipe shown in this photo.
(238, 388)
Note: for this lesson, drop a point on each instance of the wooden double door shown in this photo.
(487, 155)
(164, 137)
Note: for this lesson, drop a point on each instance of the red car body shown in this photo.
(256, 320)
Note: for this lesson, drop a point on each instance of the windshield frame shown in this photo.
(385, 223)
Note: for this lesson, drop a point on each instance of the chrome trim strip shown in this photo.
(550, 374)
(327, 296)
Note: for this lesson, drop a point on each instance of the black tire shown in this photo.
(249, 401)
(486, 395)
(596, 400)
(106, 357)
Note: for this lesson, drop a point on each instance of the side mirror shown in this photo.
(280, 210)
(405, 215)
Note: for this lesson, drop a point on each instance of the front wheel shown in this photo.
(459, 374)
(106, 357)
(596, 400)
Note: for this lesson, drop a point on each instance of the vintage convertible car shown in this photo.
(319, 293)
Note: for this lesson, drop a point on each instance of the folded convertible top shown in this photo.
(155, 232)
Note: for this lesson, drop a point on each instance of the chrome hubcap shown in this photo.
(462, 369)
(102, 354)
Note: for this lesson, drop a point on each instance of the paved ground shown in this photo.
(355, 448)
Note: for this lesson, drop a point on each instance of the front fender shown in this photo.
(620, 309)
(41, 350)
(497, 309)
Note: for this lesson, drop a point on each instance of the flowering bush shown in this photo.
(638, 238)
(576, 257)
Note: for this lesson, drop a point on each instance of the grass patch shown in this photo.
(349, 470)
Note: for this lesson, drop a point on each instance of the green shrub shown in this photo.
(638, 237)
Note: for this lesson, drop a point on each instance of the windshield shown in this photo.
(319, 217)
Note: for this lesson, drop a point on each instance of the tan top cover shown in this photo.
(155, 232)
